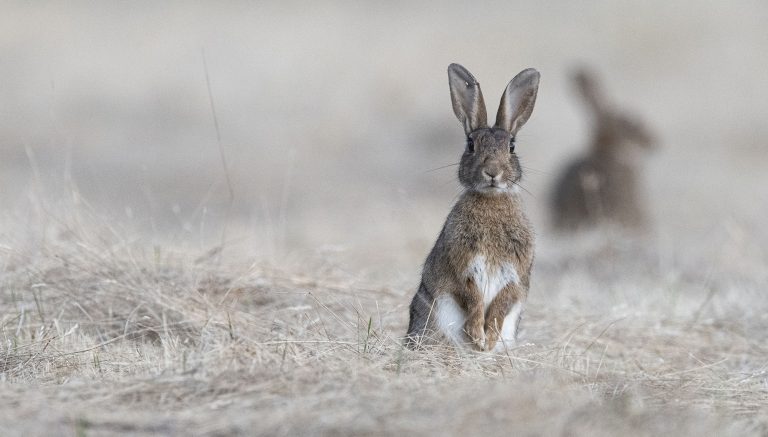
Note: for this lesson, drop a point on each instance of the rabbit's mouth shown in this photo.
(495, 187)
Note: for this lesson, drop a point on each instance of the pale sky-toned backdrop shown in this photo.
(332, 114)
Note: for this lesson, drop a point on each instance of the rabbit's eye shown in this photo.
(470, 145)
(512, 145)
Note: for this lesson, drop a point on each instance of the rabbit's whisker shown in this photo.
(523, 188)
(529, 169)
(440, 168)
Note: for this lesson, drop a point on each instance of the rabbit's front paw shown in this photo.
(476, 333)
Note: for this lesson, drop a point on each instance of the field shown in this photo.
(214, 218)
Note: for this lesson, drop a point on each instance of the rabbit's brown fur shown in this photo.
(603, 186)
(476, 278)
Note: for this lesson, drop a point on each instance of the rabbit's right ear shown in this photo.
(517, 101)
(467, 99)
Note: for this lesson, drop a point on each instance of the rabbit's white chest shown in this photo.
(490, 279)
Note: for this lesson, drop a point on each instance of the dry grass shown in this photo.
(336, 181)
(103, 335)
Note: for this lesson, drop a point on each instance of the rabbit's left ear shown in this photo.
(518, 100)
(467, 99)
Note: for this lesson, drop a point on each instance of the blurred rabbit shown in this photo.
(475, 279)
(603, 186)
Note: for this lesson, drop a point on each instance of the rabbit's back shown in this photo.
(603, 186)
(571, 198)
(593, 190)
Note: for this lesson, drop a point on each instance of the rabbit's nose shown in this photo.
(492, 173)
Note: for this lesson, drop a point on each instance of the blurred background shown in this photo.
(335, 121)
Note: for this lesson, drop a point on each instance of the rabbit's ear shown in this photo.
(518, 100)
(588, 86)
(467, 99)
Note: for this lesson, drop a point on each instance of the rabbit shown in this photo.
(475, 280)
(603, 185)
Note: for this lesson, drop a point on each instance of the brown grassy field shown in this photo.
(105, 334)
(150, 287)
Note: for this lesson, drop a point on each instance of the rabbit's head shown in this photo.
(489, 164)
(614, 129)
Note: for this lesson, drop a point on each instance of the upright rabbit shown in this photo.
(603, 185)
(475, 280)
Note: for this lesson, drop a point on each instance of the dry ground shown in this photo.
(122, 313)
(104, 335)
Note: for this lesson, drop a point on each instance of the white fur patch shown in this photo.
(509, 329)
(491, 279)
(450, 318)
